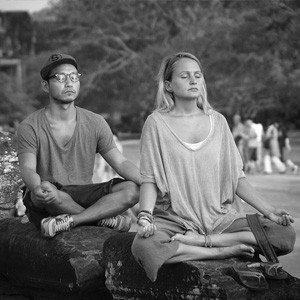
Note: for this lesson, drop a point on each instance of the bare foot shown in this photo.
(189, 238)
(237, 251)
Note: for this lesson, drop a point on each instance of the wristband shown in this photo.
(146, 211)
(146, 216)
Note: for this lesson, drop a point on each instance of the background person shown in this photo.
(250, 146)
(272, 151)
(102, 170)
(259, 130)
(238, 135)
(285, 148)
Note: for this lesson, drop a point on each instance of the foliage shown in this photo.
(250, 51)
(17, 36)
(11, 102)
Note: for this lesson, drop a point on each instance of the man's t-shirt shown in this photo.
(73, 163)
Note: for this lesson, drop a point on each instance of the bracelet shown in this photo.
(146, 211)
(144, 216)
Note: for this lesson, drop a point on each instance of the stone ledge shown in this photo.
(10, 178)
(68, 266)
(212, 279)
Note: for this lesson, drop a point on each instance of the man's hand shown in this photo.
(45, 193)
(145, 228)
(281, 217)
(39, 194)
(50, 191)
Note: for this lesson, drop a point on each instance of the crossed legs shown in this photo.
(191, 246)
(159, 249)
(123, 196)
(218, 240)
(239, 236)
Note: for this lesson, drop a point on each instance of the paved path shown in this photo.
(283, 191)
(280, 190)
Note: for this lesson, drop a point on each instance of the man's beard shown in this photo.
(62, 101)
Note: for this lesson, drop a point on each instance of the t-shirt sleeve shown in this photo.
(27, 141)
(147, 150)
(151, 165)
(105, 138)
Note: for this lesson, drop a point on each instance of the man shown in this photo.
(56, 150)
(250, 145)
(238, 135)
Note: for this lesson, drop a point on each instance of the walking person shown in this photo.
(238, 129)
(259, 130)
(285, 148)
(272, 151)
(250, 142)
(191, 176)
(56, 149)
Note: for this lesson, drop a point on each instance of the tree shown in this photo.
(249, 50)
(12, 106)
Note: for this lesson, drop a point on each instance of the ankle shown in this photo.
(74, 220)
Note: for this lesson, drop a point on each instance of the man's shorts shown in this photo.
(252, 154)
(84, 195)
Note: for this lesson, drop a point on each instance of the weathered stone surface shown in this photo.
(10, 178)
(191, 280)
(68, 266)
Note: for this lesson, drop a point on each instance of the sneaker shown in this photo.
(120, 223)
(54, 225)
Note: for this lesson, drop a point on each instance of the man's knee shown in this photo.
(289, 240)
(131, 193)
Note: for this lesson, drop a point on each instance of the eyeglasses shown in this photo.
(62, 77)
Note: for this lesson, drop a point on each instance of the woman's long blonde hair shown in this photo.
(165, 100)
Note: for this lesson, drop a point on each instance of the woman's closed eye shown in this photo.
(196, 75)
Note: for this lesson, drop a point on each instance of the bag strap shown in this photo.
(261, 238)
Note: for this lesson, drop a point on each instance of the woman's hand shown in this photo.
(281, 217)
(145, 228)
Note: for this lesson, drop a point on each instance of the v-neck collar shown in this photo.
(70, 142)
(185, 144)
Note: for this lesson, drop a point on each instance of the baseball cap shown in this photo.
(55, 60)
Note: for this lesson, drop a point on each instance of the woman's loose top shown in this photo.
(196, 185)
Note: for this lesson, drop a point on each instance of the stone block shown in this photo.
(68, 266)
(211, 279)
(10, 178)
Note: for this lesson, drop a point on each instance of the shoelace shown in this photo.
(62, 224)
(109, 222)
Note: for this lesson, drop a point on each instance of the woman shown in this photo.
(285, 148)
(272, 151)
(191, 172)
(239, 136)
